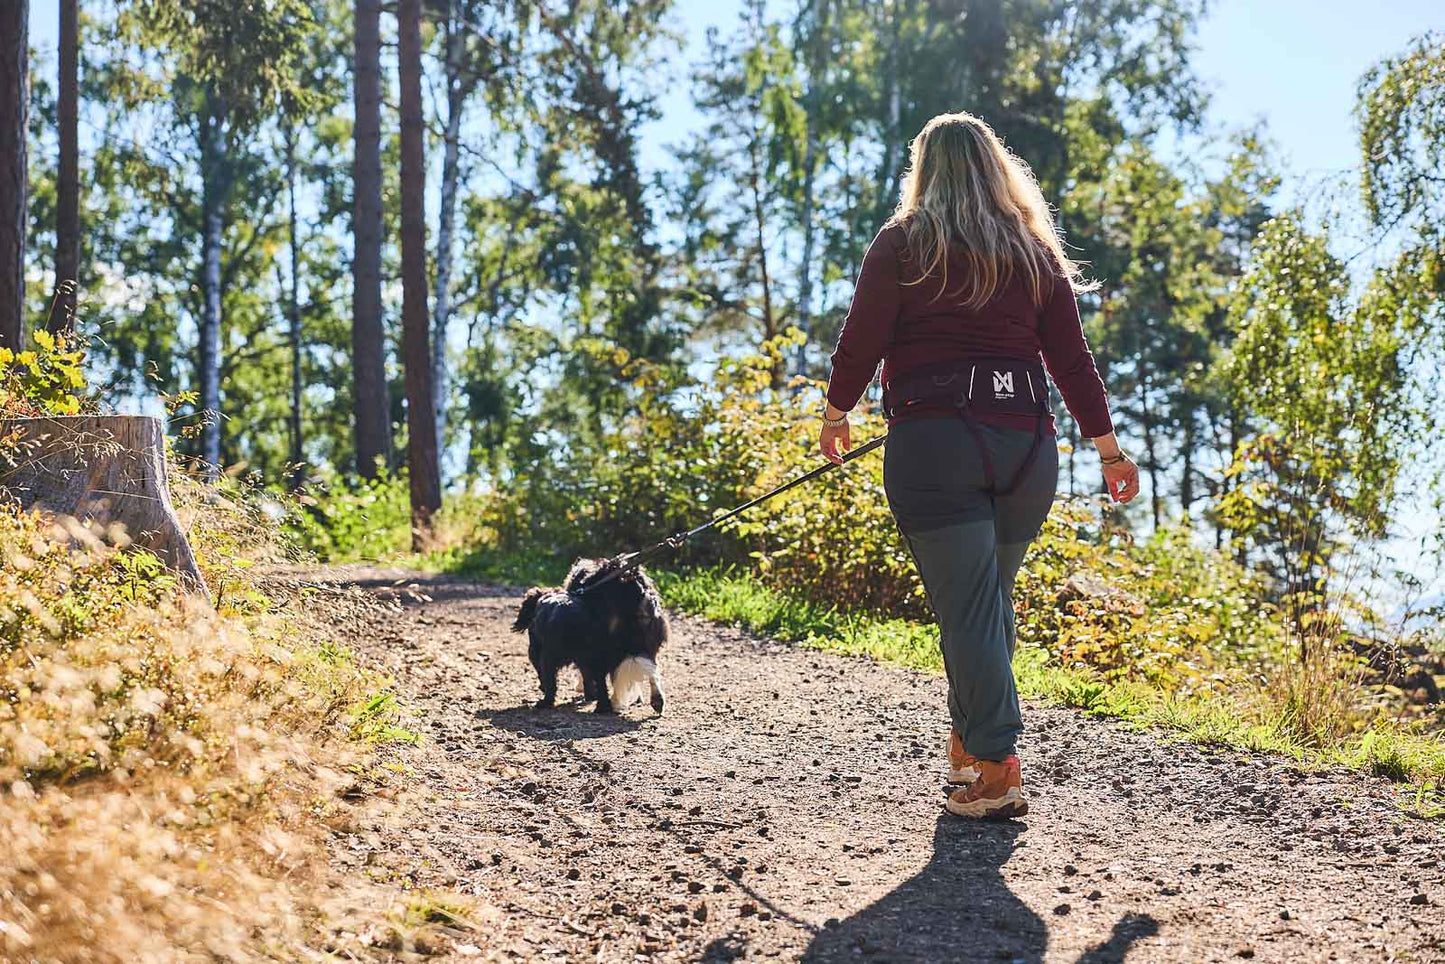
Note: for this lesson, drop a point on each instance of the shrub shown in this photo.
(346, 521)
(46, 380)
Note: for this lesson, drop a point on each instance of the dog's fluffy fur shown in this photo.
(613, 630)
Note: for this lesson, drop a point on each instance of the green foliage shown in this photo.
(1324, 382)
(46, 380)
(1401, 113)
(349, 520)
(1163, 611)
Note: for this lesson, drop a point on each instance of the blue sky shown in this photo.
(1292, 63)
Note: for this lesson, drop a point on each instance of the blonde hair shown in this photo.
(965, 191)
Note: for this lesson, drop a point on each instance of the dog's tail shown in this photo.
(529, 609)
(633, 674)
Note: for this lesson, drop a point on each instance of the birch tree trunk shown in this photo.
(457, 90)
(371, 399)
(293, 312)
(416, 358)
(214, 187)
(14, 184)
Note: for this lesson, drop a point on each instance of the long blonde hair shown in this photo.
(965, 191)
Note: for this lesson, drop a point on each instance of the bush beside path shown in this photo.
(789, 806)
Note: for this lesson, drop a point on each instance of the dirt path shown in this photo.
(788, 806)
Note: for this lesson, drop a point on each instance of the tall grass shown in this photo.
(171, 775)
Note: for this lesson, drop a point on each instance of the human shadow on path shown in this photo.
(956, 908)
(959, 908)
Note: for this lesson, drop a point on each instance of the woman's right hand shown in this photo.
(834, 440)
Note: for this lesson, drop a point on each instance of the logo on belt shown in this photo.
(1003, 384)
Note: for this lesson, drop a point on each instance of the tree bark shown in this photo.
(457, 90)
(811, 110)
(1147, 423)
(102, 469)
(214, 188)
(67, 175)
(1186, 477)
(14, 178)
(293, 311)
(416, 357)
(770, 324)
(371, 403)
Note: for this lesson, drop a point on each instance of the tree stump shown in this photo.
(102, 469)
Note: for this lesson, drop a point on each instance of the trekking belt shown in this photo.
(980, 386)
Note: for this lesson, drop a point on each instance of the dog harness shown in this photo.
(991, 386)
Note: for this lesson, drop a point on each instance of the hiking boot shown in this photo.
(997, 794)
(962, 765)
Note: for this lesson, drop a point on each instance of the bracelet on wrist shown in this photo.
(1121, 457)
(838, 422)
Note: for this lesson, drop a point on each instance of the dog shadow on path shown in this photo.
(958, 907)
(563, 722)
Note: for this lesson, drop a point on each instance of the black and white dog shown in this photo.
(613, 629)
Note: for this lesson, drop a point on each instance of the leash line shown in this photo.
(632, 560)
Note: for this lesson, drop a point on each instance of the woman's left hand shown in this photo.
(1122, 477)
(834, 440)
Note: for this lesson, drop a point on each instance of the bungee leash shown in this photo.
(631, 560)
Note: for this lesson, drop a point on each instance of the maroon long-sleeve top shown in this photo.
(908, 324)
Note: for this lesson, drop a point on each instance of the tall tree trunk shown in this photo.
(214, 187)
(14, 184)
(1073, 451)
(805, 271)
(426, 497)
(1241, 550)
(441, 299)
(293, 307)
(1147, 423)
(67, 176)
(371, 399)
(812, 109)
(770, 324)
(1186, 478)
(893, 143)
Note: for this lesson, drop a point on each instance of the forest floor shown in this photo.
(788, 806)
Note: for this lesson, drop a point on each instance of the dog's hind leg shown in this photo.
(655, 678)
(547, 676)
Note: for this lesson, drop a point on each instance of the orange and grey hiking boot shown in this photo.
(962, 765)
(997, 794)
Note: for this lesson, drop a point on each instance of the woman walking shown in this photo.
(960, 295)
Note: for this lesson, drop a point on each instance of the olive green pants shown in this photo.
(968, 546)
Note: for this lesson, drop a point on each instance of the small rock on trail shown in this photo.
(788, 807)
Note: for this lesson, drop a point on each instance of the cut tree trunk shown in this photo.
(101, 469)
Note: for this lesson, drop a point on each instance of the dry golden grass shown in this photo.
(162, 795)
